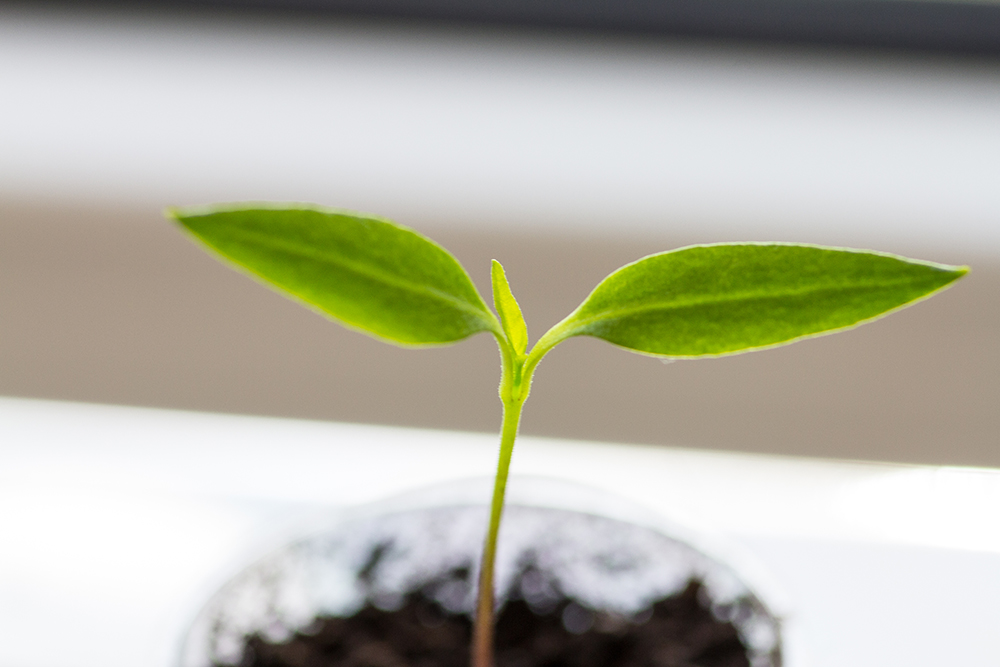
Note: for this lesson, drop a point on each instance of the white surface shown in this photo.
(116, 521)
(602, 136)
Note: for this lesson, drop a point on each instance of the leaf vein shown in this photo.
(355, 267)
(682, 304)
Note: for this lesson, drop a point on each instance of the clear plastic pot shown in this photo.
(600, 551)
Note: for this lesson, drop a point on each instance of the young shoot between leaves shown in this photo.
(390, 282)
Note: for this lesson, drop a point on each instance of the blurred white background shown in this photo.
(600, 135)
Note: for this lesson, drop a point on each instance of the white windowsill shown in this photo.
(118, 521)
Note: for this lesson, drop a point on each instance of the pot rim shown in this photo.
(530, 491)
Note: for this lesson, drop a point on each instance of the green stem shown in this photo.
(513, 399)
(515, 384)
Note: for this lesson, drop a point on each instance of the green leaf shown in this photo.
(509, 311)
(720, 299)
(368, 273)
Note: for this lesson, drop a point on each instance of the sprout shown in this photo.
(390, 282)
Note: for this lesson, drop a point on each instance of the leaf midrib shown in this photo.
(682, 304)
(357, 268)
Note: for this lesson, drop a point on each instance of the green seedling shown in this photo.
(700, 301)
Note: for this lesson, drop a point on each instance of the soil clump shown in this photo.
(677, 631)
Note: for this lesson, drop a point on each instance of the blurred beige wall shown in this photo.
(115, 305)
(563, 155)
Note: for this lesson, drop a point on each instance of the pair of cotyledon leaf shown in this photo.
(707, 300)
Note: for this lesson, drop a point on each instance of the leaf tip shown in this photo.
(953, 273)
(511, 319)
(180, 214)
(499, 279)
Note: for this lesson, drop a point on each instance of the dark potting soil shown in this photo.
(678, 631)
